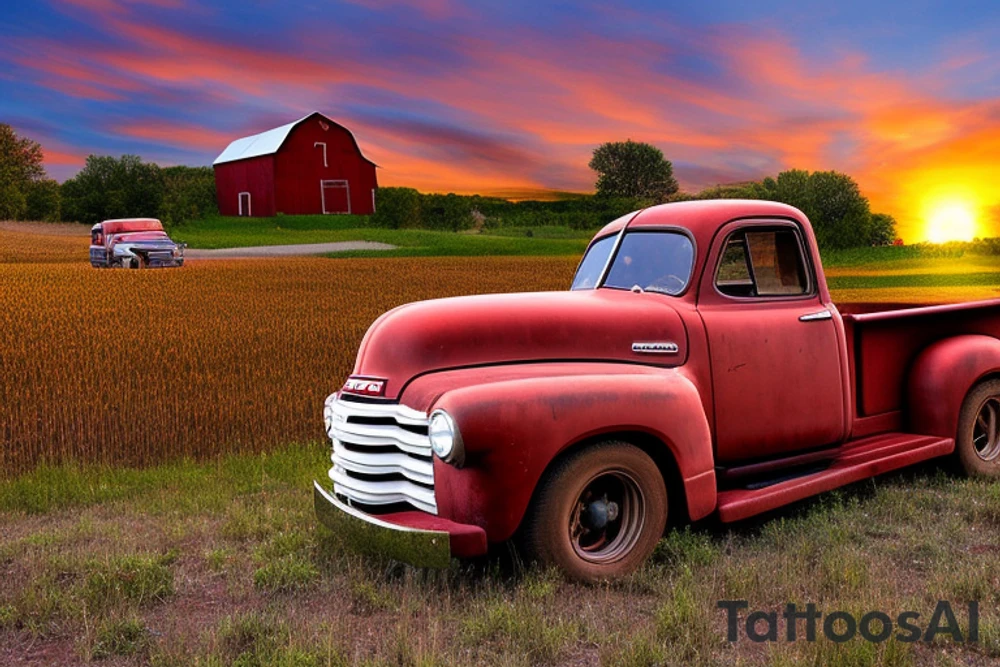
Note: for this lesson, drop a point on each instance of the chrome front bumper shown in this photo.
(367, 533)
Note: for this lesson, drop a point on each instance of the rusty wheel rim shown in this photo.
(607, 518)
(986, 430)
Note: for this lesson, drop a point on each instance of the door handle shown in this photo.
(817, 316)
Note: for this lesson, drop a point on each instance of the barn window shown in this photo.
(320, 143)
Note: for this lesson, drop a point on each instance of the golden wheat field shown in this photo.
(137, 367)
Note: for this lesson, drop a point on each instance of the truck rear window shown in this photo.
(653, 261)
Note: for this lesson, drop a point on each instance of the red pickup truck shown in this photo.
(697, 366)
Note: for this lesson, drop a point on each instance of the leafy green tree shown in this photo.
(43, 201)
(839, 212)
(633, 169)
(20, 166)
(109, 187)
(832, 201)
(883, 229)
(188, 194)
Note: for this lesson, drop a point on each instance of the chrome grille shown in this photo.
(381, 454)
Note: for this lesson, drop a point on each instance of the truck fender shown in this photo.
(513, 430)
(942, 376)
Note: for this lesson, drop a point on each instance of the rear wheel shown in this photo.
(598, 513)
(978, 443)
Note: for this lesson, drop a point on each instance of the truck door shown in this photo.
(774, 345)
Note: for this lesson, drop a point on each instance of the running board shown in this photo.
(855, 461)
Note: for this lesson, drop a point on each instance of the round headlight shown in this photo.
(446, 441)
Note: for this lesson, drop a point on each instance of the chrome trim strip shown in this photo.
(401, 413)
(655, 347)
(814, 317)
(383, 464)
(382, 493)
(377, 434)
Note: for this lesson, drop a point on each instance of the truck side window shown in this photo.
(763, 263)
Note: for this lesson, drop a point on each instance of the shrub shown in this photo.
(397, 208)
(446, 212)
(188, 194)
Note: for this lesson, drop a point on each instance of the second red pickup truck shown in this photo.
(697, 366)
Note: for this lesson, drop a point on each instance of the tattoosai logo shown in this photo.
(364, 386)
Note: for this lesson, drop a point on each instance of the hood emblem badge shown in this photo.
(655, 347)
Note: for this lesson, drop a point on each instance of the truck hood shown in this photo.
(594, 325)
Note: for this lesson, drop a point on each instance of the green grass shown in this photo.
(220, 232)
(283, 230)
(978, 279)
(121, 637)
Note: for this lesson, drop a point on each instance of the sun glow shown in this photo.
(951, 220)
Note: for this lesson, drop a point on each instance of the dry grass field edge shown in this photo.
(224, 563)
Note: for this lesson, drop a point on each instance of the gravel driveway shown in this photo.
(285, 250)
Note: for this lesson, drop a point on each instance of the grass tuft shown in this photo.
(514, 628)
(122, 637)
(141, 579)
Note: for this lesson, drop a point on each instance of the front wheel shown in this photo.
(598, 513)
(978, 444)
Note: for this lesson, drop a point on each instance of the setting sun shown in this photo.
(951, 221)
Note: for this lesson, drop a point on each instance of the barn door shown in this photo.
(336, 196)
(245, 204)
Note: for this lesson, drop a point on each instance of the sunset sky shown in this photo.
(505, 96)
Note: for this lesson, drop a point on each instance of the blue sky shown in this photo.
(513, 97)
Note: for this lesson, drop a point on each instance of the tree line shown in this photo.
(106, 187)
(633, 175)
(629, 175)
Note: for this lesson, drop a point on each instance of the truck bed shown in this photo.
(883, 340)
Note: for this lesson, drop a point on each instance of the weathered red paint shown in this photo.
(752, 388)
(533, 405)
(941, 377)
(290, 181)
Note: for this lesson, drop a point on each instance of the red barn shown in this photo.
(313, 165)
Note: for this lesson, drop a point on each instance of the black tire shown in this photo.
(977, 444)
(136, 262)
(563, 529)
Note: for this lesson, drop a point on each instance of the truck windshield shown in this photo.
(653, 261)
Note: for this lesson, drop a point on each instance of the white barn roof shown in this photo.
(255, 145)
(268, 143)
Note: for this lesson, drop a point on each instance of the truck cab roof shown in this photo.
(124, 225)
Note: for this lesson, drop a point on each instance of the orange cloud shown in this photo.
(186, 136)
(63, 158)
(526, 111)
